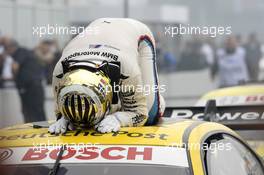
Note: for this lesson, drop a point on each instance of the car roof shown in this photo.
(167, 132)
(158, 145)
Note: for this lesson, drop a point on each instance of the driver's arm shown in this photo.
(133, 103)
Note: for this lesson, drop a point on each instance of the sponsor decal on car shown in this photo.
(222, 116)
(79, 133)
(5, 153)
(174, 156)
(235, 100)
(224, 113)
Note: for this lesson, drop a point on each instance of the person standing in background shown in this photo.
(230, 64)
(239, 39)
(192, 57)
(48, 53)
(28, 76)
(6, 62)
(1, 65)
(208, 51)
(1, 61)
(253, 56)
(56, 52)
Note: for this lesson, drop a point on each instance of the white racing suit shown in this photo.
(232, 67)
(132, 44)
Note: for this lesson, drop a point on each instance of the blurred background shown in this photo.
(187, 63)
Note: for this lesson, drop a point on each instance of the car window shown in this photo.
(228, 156)
(92, 169)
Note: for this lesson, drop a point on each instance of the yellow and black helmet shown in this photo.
(85, 97)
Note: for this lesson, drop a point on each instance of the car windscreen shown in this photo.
(92, 169)
(231, 158)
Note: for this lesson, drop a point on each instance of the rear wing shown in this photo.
(234, 117)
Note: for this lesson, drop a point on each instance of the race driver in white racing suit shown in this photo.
(107, 78)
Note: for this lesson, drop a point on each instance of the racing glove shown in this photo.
(60, 126)
(109, 124)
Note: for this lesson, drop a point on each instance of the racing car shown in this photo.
(176, 146)
(243, 94)
(246, 119)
